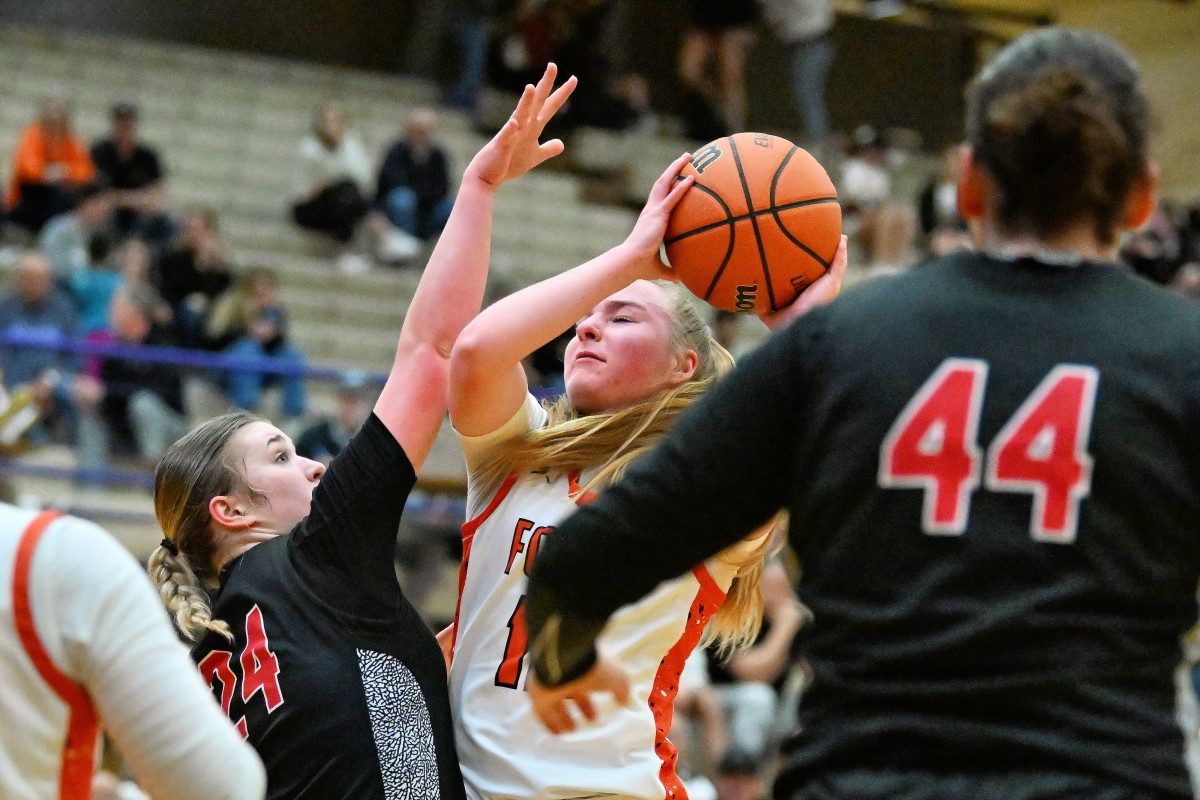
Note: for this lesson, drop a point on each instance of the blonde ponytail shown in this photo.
(737, 623)
(192, 472)
(183, 595)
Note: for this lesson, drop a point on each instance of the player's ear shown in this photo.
(229, 512)
(1142, 198)
(972, 187)
(685, 367)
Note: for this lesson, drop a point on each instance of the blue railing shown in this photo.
(184, 357)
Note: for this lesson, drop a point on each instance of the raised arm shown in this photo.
(413, 401)
(487, 384)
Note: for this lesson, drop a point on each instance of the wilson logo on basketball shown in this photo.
(705, 157)
(746, 296)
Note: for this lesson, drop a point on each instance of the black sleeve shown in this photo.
(440, 177)
(104, 157)
(391, 173)
(154, 165)
(351, 528)
(721, 472)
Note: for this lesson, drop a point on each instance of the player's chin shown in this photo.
(586, 396)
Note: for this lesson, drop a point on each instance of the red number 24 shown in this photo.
(260, 670)
(1041, 450)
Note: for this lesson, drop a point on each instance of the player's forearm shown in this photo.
(454, 282)
(515, 326)
(562, 642)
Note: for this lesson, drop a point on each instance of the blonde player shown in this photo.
(640, 356)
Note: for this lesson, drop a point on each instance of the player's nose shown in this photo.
(587, 331)
(315, 469)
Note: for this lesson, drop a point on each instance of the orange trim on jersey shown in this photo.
(468, 533)
(83, 726)
(709, 598)
(575, 491)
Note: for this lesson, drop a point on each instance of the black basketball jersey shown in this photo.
(993, 472)
(332, 675)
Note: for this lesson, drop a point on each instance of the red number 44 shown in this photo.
(1041, 450)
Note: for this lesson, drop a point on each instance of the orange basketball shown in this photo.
(760, 224)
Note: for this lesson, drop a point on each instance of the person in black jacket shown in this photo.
(991, 468)
(413, 188)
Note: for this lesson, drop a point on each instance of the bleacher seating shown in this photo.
(228, 126)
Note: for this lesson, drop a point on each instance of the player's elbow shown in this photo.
(473, 349)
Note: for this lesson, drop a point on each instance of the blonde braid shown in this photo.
(183, 595)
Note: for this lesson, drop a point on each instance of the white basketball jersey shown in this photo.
(504, 749)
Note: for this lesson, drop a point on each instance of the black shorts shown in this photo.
(715, 16)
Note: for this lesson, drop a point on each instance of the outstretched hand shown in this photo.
(515, 149)
(553, 706)
(651, 225)
(822, 291)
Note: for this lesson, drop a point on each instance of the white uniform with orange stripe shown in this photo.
(81, 625)
(504, 750)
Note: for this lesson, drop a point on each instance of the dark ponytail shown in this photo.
(1060, 122)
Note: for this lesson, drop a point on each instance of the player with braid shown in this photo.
(281, 571)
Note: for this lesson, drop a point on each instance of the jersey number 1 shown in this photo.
(1041, 450)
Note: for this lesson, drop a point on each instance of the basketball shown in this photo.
(759, 225)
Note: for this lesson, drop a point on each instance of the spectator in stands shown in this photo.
(413, 187)
(747, 684)
(139, 401)
(943, 229)
(333, 175)
(865, 183)
(132, 262)
(66, 238)
(38, 312)
(803, 28)
(193, 274)
(92, 289)
(325, 439)
(720, 31)
(135, 172)
(249, 321)
(1154, 250)
(470, 33)
(581, 38)
(49, 163)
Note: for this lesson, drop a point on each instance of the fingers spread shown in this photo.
(555, 101)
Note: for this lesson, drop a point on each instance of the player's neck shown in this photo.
(1073, 246)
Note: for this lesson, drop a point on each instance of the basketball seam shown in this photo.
(775, 211)
(743, 217)
(732, 236)
(762, 253)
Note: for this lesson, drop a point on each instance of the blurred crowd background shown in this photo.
(229, 207)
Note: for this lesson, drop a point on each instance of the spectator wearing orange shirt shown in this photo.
(48, 164)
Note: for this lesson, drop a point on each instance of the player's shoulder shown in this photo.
(76, 553)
